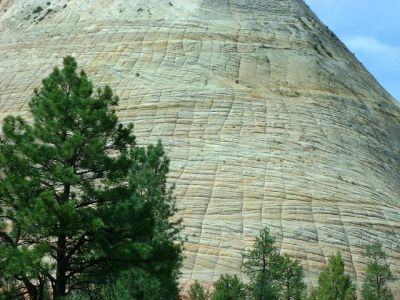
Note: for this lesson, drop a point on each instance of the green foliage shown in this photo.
(229, 287)
(80, 203)
(378, 274)
(261, 266)
(197, 292)
(133, 284)
(272, 276)
(292, 274)
(333, 283)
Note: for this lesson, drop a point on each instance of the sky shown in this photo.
(371, 30)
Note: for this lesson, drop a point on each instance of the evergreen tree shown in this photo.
(197, 292)
(292, 284)
(378, 274)
(262, 266)
(333, 283)
(80, 202)
(229, 287)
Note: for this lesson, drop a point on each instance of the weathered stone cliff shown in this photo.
(267, 118)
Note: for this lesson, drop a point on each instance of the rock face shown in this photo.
(267, 118)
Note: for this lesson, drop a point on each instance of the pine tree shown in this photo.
(80, 202)
(378, 274)
(229, 287)
(197, 292)
(292, 284)
(333, 283)
(261, 266)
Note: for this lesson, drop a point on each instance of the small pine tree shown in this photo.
(333, 283)
(229, 287)
(292, 284)
(197, 292)
(378, 274)
(261, 266)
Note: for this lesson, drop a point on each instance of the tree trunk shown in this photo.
(61, 279)
(32, 290)
(41, 289)
(264, 269)
(288, 287)
(378, 281)
(59, 292)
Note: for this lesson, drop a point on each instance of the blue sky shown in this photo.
(371, 29)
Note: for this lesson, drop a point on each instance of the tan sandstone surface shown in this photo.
(267, 119)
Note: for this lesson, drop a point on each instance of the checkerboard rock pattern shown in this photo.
(266, 116)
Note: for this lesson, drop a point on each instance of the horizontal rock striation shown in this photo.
(267, 119)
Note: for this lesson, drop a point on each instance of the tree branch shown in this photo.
(81, 267)
(78, 244)
(48, 275)
(6, 238)
(18, 229)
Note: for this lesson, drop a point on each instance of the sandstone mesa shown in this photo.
(266, 116)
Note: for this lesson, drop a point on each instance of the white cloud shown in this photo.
(370, 45)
